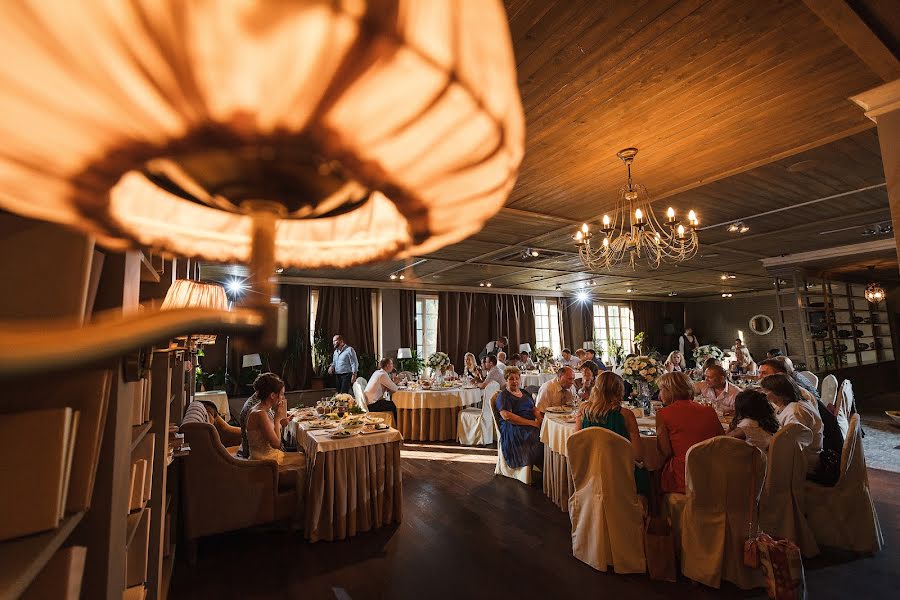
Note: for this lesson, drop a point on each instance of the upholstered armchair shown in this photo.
(223, 493)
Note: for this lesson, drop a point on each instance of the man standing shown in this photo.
(494, 347)
(344, 365)
(557, 392)
(687, 343)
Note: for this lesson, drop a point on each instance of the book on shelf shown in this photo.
(61, 576)
(138, 476)
(137, 592)
(36, 451)
(136, 553)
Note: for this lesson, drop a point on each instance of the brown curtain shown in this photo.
(407, 319)
(464, 324)
(514, 318)
(661, 322)
(577, 321)
(348, 312)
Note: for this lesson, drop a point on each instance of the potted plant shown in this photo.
(414, 364)
(290, 361)
(321, 358)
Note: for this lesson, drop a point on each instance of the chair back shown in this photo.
(844, 407)
(495, 414)
(607, 516)
(829, 390)
(488, 394)
(724, 478)
(782, 506)
(811, 377)
(853, 461)
(359, 392)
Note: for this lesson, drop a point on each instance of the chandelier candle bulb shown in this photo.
(638, 217)
(681, 232)
(671, 214)
(692, 219)
(605, 222)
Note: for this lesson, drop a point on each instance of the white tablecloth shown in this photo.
(555, 435)
(417, 399)
(536, 379)
(219, 398)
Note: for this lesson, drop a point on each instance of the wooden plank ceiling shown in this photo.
(737, 108)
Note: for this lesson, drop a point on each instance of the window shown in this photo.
(426, 325)
(546, 324)
(613, 322)
(313, 308)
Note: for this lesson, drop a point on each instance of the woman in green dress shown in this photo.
(604, 409)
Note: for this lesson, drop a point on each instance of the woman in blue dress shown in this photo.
(520, 424)
(604, 409)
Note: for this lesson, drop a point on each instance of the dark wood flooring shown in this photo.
(468, 534)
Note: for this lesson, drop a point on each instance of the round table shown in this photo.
(558, 484)
(536, 379)
(432, 415)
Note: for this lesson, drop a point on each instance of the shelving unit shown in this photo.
(829, 324)
(23, 558)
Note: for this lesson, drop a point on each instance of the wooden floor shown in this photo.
(468, 534)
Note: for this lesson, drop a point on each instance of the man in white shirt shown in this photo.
(492, 373)
(501, 361)
(380, 383)
(558, 391)
(717, 389)
(523, 361)
(570, 361)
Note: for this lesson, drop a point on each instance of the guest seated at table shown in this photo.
(382, 384)
(604, 409)
(716, 389)
(449, 372)
(754, 419)
(568, 360)
(204, 411)
(591, 355)
(790, 408)
(581, 355)
(774, 352)
(264, 433)
(675, 363)
(471, 368)
(501, 361)
(492, 373)
(249, 405)
(589, 372)
(524, 362)
(558, 391)
(520, 423)
(680, 424)
(743, 362)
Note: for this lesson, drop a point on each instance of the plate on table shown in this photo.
(567, 418)
(894, 415)
(559, 410)
(343, 434)
(374, 420)
(323, 425)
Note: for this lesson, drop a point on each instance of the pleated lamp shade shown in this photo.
(185, 293)
(377, 129)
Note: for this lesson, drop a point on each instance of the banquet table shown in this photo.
(431, 415)
(536, 379)
(354, 484)
(555, 432)
(220, 399)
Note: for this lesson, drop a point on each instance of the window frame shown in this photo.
(615, 317)
(423, 302)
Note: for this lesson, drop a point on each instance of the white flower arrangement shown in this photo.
(438, 360)
(641, 369)
(543, 354)
(708, 351)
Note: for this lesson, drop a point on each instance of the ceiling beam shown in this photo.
(856, 35)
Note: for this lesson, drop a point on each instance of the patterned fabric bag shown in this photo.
(783, 568)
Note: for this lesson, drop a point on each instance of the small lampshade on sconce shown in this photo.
(251, 360)
(588, 345)
(300, 134)
(185, 293)
(526, 347)
(404, 353)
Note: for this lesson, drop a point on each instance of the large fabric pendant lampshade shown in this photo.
(372, 130)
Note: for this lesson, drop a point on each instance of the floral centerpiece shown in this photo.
(641, 372)
(543, 355)
(437, 362)
(706, 351)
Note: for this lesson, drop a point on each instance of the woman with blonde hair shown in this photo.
(680, 424)
(604, 409)
(675, 362)
(471, 368)
(743, 362)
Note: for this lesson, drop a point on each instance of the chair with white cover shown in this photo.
(724, 478)
(845, 406)
(523, 474)
(782, 507)
(844, 516)
(359, 392)
(475, 425)
(829, 390)
(810, 377)
(607, 514)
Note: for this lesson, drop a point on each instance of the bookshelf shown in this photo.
(22, 559)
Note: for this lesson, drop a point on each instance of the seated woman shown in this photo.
(784, 395)
(204, 411)
(680, 424)
(675, 362)
(264, 433)
(520, 424)
(471, 368)
(743, 363)
(589, 372)
(604, 409)
(754, 419)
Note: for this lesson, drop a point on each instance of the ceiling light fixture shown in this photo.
(393, 276)
(673, 294)
(485, 284)
(738, 227)
(634, 231)
(726, 295)
(558, 287)
(728, 276)
(874, 292)
(629, 290)
(236, 287)
(582, 296)
(530, 253)
(592, 283)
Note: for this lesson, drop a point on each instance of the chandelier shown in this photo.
(875, 293)
(634, 232)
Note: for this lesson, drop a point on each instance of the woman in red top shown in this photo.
(680, 425)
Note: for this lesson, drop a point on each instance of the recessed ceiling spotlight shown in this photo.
(558, 287)
(726, 295)
(488, 284)
(738, 227)
(530, 253)
(629, 290)
(393, 276)
(673, 294)
(729, 276)
(592, 282)
(481, 284)
(402, 277)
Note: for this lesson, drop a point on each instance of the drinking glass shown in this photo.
(320, 407)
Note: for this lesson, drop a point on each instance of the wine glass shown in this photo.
(320, 407)
(341, 407)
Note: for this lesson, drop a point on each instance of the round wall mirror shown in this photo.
(761, 324)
